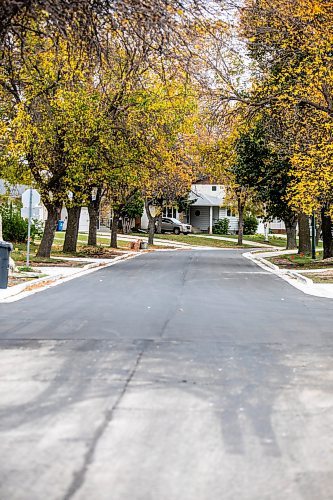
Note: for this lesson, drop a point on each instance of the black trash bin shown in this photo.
(5, 249)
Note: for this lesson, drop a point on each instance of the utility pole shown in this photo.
(313, 227)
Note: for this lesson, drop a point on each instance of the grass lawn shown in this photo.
(274, 240)
(103, 243)
(194, 240)
(325, 277)
(83, 240)
(296, 261)
(19, 253)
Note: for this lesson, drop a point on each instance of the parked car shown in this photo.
(170, 225)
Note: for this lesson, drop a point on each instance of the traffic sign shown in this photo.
(26, 198)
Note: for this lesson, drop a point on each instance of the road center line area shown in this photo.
(161, 378)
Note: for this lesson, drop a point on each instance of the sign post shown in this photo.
(30, 200)
(313, 235)
(29, 227)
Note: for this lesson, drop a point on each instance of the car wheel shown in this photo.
(176, 230)
(185, 234)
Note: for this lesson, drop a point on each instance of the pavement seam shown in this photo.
(80, 475)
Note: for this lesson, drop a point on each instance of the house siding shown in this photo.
(201, 222)
(233, 220)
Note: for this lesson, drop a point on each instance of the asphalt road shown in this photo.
(190, 375)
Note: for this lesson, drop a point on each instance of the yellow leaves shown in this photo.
(312, 171)
(294, 51)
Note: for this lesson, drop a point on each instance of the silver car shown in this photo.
(170, 225)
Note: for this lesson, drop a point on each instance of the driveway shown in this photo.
(190, 375)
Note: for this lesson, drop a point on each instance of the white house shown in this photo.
(209, 207)
(39, 211)
(167, 212)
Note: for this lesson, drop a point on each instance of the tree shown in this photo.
(291, 44)
(158, 18)
(131, 211)
(123, 192)
(167, 145)
(268, 172)
(50, 133)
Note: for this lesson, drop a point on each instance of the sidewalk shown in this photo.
(143, 237)
(245, 242)
(165, 241)
(294, 278)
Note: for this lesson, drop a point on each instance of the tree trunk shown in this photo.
(53, 215)
(126, 224)
(93, 210)
(291, 234)
(114, 229)
(318, 228)
(93, 219)
(151, 224)
(72, 231)
(159, 225)
(326, 224)
(240, 222)
(304, 246)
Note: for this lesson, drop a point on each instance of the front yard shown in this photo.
(193, 240)
(301, 262)
(325, 277)
(274, 240)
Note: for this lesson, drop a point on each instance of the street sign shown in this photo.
(26, 198)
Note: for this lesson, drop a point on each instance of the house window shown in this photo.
(170, 212)
(214, 188)
(230, 212)
(197, 213)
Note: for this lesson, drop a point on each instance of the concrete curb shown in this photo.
(21, 291)
(306, 285)
(299, 277)
(277, 270)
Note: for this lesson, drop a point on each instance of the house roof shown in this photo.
(14, 191)
(205, 200)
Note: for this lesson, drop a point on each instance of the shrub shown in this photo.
(15, 227)
(221, 227)
(250, 224)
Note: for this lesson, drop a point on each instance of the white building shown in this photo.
(39, 211)
(209, 207)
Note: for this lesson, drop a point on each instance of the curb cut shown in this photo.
(277, 270)
(299, 277)
(293, 278)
